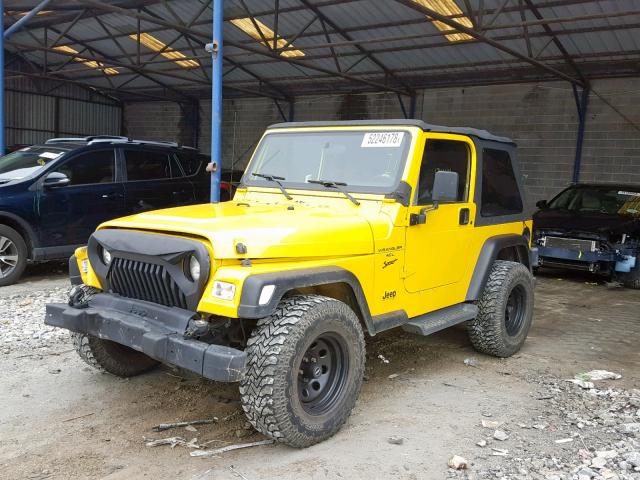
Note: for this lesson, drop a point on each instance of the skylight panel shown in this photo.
(248, 26)
(448, 8)
(87, 63)
(152, 43)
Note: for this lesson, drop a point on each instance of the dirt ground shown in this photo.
(59, 419)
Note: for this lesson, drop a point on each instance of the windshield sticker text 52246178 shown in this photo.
(382, 139)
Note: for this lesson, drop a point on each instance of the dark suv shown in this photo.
(54, 195)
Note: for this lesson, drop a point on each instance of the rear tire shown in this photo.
(305, 365)
(111, 357)
(505, 310)
(13, 256)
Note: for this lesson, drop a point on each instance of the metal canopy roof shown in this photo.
(347, 45)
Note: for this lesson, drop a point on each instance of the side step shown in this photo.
(440, 319)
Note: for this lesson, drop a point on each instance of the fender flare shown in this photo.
(28, 229)
(287, 280)
(488, 254)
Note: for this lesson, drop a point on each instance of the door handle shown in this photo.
(464, 216)
(112, 195)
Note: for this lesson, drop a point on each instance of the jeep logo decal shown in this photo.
(387, 295)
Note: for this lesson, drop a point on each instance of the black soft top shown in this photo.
(427, 127)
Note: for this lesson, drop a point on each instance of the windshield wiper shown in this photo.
(275, 179)
(338, 186)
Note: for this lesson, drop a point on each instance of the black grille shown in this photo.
(145, 281)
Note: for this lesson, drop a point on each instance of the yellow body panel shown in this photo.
(417, 268)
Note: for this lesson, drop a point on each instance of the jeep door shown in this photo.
(69, 214)
(436, 250)
(154, 180)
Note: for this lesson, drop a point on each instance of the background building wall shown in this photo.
(36, 110)
(540, 117)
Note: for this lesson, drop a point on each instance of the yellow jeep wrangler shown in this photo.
(338, 228)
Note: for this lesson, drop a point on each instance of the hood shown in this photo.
(268, 231)
(591, 222)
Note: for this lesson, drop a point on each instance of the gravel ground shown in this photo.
(597, 429)
(424, 401)
(21, 320)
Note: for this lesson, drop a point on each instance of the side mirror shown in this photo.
(445, 187)
(56, 179)
(542, 204)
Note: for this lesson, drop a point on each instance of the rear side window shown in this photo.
(90, 168)
(500, 194)
(190, 164)
(146, 165)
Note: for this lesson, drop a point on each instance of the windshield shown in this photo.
(366, 161)
(608, 200)
(25, 162)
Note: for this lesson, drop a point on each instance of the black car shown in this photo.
(593, 227)
(54, 195)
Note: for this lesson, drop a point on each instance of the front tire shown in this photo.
(13, 256)
(111, 357)
(305, 365)
(505, 310)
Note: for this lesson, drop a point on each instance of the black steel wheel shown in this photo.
(322, 374)
(304, 370)
(515, 310)
(505, 310)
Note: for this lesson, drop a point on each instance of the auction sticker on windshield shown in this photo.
(382, 139)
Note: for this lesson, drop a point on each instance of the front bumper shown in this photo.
(620, 261)
(152, 329)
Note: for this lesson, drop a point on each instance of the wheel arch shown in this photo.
(510, 247)
(22, 227)
(332, 282)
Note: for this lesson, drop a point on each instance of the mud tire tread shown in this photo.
(487, 332)
(269, 352)
(111, 357)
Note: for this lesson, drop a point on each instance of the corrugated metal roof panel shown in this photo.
(418, 46)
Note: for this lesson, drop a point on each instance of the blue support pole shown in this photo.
(2, 146)
(582, 102)
(216, 98)
(24, 20)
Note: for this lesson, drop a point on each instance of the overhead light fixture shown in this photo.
(88, 63)
(248, 26)
(152, 43)
(448, 8)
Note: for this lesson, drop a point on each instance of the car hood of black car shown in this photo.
(591, 222)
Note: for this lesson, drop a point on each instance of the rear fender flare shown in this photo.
(488, 254)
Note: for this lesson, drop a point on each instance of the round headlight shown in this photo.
(106, 256)
(194, 268)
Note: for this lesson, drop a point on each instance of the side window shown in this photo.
(190, 164)
(149, 165)
(448, 155)
(90, 168)
(500, 194)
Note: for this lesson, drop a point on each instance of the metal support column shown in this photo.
(582, 101)
(216, 98)
(2, 145)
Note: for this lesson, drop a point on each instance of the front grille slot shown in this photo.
(145, 281)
